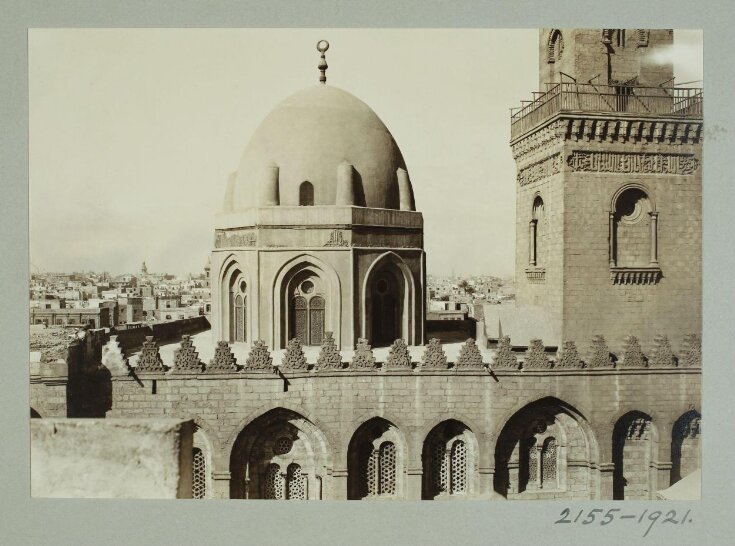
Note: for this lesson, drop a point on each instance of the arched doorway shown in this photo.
(533, 451)
(387, 308)
(281, 456)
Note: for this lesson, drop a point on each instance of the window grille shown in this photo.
(199, 478)
(548, 462)
(387, 463)
(440, 471)
(274, 485)
(459, 467)
(296, 483)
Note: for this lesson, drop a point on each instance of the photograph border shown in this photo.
(49, 521)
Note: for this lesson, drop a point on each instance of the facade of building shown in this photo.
(609, 189)
(319, 244)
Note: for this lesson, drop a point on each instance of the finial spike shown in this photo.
(322, 46)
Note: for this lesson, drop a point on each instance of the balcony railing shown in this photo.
(677, 102)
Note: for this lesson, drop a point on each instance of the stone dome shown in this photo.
(310, 136)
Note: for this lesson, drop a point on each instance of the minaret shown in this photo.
(609, 186)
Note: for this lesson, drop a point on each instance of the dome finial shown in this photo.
(321, 47)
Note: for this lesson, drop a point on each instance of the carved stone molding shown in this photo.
(535, 356)
(186, 357)
(293, 358)
(504, 357)
(568, 357)
(434, 355)
(663, 356)
(329, 355)
(398, 356)
(600, 353)
(336, 238)
(469, 356)
(536, 275)
(633, 162)
(230, 239)
(635, 275)
(543, 139)
(259, 358)
(539, 170)
(633, 356)
(223, 360)
(363, 357)
(149, 360)
(691, 354)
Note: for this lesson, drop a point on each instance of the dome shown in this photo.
(311, 136)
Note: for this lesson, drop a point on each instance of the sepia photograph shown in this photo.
(366, 264)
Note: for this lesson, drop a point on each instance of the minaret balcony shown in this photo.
(622, 100)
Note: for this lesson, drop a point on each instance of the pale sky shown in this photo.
(133, 133)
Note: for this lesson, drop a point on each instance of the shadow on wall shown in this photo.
(451, 331)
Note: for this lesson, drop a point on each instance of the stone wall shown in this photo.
(111, 458)
(231, 401)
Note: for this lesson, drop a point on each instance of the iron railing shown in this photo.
(678, 102)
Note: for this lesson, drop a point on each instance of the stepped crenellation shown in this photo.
(537, 357)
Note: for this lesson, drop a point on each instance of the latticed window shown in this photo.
(316, 320)
(199, 477)
(440, 468)
(449, 468)
(240, 319)
(273, 483)
(296, 483)
(458, 457)
(308, 313)
(387, 469)
(548, 463)
(533, 461)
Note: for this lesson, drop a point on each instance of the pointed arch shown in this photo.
(402, 294)
(330, 306)
(520, 467)
(233, 280)
(376, 461)
(635, 439)
(450, 460)
(280, 454)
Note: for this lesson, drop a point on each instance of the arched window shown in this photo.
(296, 483)
(273, 483)
(536, 231)
(199, 478)
(458, 467)
(634, 232)
(548, 463)
(373, 463)
(387, 469)
(539, 458)
(306, 194)
(447, 461)
(239, 314)
(555, 46)
(308, 307)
